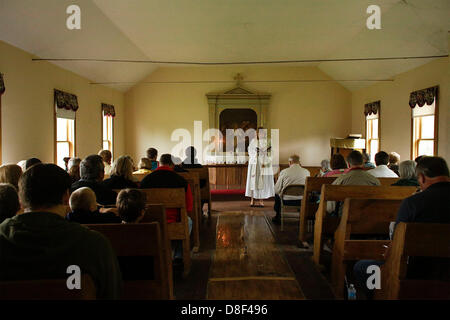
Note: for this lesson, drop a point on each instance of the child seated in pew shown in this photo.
(131, 205)
(131, 208)
(84, 209)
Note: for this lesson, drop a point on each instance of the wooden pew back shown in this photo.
(49, 289)
(308, 208)
(194, 182)
(415, 240)
(205, 192)
(157, 213)
(139, 240)
(386, 182)
(327, 225)
(360, 216)
(140, 176)
(174, 198)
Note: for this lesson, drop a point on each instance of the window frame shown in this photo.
(55, 138)
(414, 151)
(112, 134)
(379, 132)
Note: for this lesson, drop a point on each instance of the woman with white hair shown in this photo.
(407, 170)
(324, 167)
(121, 174)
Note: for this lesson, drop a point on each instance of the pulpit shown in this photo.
(347, 145)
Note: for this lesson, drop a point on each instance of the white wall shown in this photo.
(307, 114)
(28, 108)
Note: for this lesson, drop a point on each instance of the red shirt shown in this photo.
(173, 215)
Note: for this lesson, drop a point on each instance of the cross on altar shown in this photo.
(238, 79)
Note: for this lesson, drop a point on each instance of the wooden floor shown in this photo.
(243, 255)
(247, 263)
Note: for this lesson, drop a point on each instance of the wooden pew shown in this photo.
(205, 192)
(313, 170)
(157, 213)
(194, 181)
(415, 240)
(174, 198)
(386, 182)
(360, 216)
(139, 240)
(48, 289)
(327, 225)
(308, 208)
(139, 176)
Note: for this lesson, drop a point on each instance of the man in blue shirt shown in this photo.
(431, 205)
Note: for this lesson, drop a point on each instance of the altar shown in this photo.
(234, 176)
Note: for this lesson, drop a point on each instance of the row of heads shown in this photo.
(151, 153)
(428, 166)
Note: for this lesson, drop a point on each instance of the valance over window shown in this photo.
(372, 108)
(108, 110)
(2, 85)
(67, 101)
(420, 97)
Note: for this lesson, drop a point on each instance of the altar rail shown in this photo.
(234, 176)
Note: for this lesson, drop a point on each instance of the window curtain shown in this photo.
(371, 108)
(108, 110)
(2, 85)
(420, 97)
(66, 104)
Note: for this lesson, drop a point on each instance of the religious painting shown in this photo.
(244, 119)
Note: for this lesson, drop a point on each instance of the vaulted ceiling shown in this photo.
(228, 31)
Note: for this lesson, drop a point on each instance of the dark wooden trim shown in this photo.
(1, 145)
(55, 157)
(412, 135)
(101, 128)
(379, 128)
(436, 122)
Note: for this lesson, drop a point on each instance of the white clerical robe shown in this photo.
(260, 183)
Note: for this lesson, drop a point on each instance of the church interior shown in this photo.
(321, 78)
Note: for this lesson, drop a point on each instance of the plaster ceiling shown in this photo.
(228, 31)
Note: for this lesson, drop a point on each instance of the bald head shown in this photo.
(83, 199)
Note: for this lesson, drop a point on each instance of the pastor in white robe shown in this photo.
(260, 184)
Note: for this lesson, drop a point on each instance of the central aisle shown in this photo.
(247, 263)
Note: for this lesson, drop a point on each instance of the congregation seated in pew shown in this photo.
(191, 160)
(107, 159)
(42, 244)
(152, 155)
(73, 168)
(431, 205)
(338, 165)
(295, 174)
(367, 163)
(92, 174)
(407, 171)
(84, 209)
(355, 176)
(121, 174)
(145, 166)
(10, 173)
(324, 168)
(165, 177)
(131, 205)
(9, 201)
(394, 162)
(382, 170)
